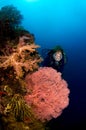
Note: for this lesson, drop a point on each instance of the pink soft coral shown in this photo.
(47, 93)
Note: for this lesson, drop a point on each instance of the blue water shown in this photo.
(61, 22)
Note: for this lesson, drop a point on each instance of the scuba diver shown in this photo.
(56, 58)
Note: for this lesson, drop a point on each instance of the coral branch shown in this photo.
(30, 48)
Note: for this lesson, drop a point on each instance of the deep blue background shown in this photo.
(61, 22)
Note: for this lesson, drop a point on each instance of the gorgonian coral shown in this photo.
(47, 93)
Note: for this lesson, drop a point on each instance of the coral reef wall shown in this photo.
(30, 95)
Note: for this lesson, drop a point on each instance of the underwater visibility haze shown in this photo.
(46, 23)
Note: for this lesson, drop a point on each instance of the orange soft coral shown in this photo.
(20, 59)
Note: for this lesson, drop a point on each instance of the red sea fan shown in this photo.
(47, 93)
